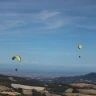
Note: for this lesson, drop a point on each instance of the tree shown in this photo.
(36, 93)
(75, 90)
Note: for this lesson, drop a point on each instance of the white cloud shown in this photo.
(41, 20)
(48, 19)
(45, 14)
(81, 22)
(53, 25)
(11, 24)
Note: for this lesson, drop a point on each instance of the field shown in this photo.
(11, 93)
(27, 91)
(84, 85)
(4, 88)
(27, 87)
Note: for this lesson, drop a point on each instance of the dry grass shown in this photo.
(10, 93)
(80, 84)
(84, 85)
(69, 90)
(77, 94)
(27, 91)
(27, 87)
(82, 92)
(48, 94)
(88, 91)
(4, 88)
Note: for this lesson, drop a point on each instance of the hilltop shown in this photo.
(89, 78)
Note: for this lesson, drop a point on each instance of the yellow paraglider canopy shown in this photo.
(18, 58)
(79, 46)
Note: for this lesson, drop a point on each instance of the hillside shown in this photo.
(61, 86)
(89, 78)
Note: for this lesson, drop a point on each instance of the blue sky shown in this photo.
(45, 33)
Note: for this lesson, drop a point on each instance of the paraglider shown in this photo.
(18, 58)
(16, 69)
(79, 47)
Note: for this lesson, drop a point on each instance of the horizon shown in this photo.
(46, 35)
(45, 72)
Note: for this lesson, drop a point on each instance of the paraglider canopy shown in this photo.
(79, 46)
(18, 58)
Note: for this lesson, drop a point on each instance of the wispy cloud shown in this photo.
(51, 20)
(53, 25)
(54, 16)
(45, 14)
(82, 22)
(35, 21)
(11, 24)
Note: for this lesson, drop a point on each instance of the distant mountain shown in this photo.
(89, 78)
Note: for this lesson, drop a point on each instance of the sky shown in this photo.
(46, 33)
